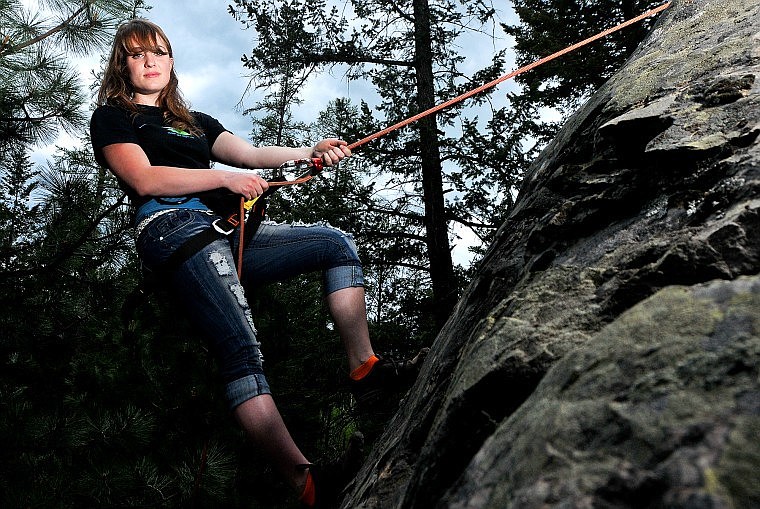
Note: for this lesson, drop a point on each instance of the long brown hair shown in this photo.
(116, 88)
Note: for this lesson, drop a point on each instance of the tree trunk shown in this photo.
(436, 225)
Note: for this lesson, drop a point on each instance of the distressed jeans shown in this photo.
(207, 284)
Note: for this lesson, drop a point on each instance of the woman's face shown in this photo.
(149, 71)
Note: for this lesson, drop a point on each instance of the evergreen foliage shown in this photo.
(408, 52)
(40, 92)
(547, 26)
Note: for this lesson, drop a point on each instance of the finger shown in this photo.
(330, 143)
(332, 157)
(339, 153)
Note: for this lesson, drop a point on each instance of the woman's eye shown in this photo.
(158, 53)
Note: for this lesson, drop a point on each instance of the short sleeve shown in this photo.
(210, 126)
(110, 125)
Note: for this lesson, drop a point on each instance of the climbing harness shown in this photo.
(247, 220)
(248, 217)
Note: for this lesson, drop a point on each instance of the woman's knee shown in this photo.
(342, 246)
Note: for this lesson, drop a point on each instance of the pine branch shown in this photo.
(394, 235)
(401, 13)
(471, 224)
(69, 249)
(13, 49)
(418, 268)
(349, 58)
(55, 114)
(395, 213)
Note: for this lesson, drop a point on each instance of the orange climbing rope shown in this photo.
(316, 162)
(512, 74)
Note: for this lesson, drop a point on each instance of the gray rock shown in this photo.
(661, 408)
(606, 352)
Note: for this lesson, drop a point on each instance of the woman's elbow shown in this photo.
(144, 187)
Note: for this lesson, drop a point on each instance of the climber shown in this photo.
(161, 152)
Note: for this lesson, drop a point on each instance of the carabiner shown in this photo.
(306, 168)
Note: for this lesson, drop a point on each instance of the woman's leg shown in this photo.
(263, 424)
(281, 251)
(208, 281)
(348, 309)
(213, 298)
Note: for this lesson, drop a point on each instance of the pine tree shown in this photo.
(547, 26)
(18, 212)
(407, 51)
(40, 92)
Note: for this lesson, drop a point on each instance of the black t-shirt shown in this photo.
(163, 145)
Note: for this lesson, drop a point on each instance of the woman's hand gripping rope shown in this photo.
(305, 170)
(327, 152)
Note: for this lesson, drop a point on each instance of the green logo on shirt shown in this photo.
(178, 132)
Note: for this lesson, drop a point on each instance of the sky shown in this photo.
(208, 44)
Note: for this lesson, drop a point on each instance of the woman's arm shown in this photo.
(235, 151)
(129, 162)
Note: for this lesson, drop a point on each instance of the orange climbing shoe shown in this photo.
(385, 376)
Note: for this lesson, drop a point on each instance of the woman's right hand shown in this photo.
(247, 184)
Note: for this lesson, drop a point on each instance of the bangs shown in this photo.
(143, 37)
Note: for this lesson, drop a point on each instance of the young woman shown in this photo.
(161, 152)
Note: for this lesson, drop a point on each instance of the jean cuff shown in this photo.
(243, 389)
(345, 276)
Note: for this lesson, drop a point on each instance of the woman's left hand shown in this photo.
(331, 151)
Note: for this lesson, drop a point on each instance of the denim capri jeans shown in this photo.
(209, 290)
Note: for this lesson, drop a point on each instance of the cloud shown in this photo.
(207, 44)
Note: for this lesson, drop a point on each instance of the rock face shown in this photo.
(607, 354)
